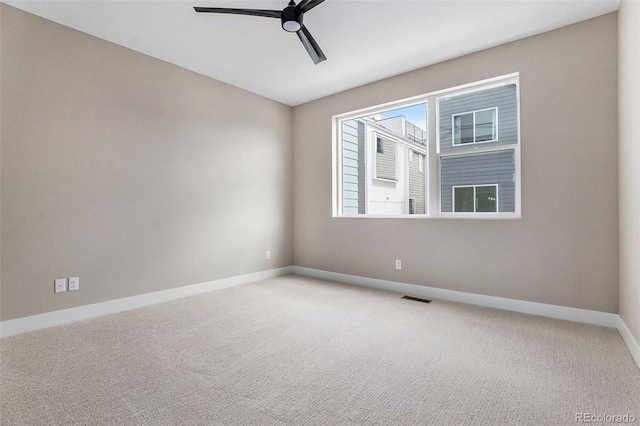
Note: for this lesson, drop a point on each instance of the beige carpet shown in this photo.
(297, 351)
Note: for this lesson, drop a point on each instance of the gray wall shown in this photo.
(563, 251)
(131, 173)
(629, 163)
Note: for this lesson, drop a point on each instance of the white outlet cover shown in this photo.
(398, 264)
(268, 255)
(74, 284)
(60, 285)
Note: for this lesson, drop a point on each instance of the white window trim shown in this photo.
(453, 116)
(475, 198)
(432, 152)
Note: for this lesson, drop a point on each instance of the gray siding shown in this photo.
(362, 176)
(503, 97)
(478, 169)
(350, 167)
(417, 182)
(386, 161)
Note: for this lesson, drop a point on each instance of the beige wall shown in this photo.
(629, 163)
(138, 176)
(131, 173)
(564, 250)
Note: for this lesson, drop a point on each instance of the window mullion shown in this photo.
(432, 161)
(474, 126)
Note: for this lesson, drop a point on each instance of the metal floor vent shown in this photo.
(417, 299)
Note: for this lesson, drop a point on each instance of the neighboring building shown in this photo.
(395, 182)
(478, 133)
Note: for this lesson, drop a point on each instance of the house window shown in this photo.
(475, 127)
(386, 159)
(468, 159)
(475, 199)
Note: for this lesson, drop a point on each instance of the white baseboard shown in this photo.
(631, 343)
(553, 311)
(65, 316)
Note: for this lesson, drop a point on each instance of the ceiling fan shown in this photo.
(290, 18)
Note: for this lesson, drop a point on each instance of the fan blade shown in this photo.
(310, 44)
(306, 5)
(252, 12)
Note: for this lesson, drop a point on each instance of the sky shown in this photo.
(416, 115)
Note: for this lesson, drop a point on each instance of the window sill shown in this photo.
(386, 180)
(447, 216)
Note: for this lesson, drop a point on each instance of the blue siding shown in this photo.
(503, 97)
(353, 167)
(350, 168)
(480, 169)
(362, 178)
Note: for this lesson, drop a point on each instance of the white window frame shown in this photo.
(475, 198)
(453, 119)
(433, 153)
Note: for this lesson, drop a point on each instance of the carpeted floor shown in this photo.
(299, 351)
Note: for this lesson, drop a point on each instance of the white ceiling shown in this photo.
(364, 40)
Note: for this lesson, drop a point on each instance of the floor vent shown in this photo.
(417, 299)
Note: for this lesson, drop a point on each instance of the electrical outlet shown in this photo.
(74, 284)
(60, 285)
(268, 255)
(398, 264)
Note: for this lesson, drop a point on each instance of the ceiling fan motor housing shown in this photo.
(291, 18)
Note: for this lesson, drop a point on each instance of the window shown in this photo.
(468, 158)
(475, 127)
(386, 159)
(477, 199)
